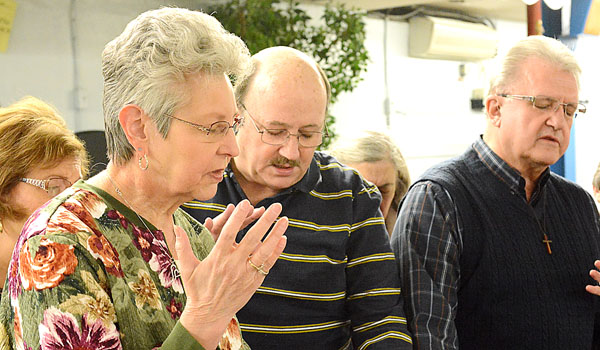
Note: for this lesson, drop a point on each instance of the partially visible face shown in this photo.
(26, 198)
(298, 106)
(383, 175)
(531, 138)
(189, 166)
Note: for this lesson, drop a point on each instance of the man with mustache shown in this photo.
(494, 250)
(336, 284)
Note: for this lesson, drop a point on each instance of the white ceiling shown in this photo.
(514, 10)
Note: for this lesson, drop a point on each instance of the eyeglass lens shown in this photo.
(281, 136)
(570, 109)
(57, 185)
(219, 129)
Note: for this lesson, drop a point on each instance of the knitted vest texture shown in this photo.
(512, 293)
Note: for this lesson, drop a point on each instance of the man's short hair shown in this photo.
(539, 46)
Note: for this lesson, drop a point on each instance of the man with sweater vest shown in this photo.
(494, 250)
(336, 285)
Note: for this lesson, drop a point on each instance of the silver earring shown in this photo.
(145, 157)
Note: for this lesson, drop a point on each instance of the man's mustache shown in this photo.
(280, 161)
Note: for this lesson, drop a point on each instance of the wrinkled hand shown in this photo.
(220, 285)
(216, 225)
(595, 274)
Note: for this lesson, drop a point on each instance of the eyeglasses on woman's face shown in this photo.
(52, 185)
(217, 130)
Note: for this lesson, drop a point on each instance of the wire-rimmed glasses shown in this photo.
(545, 103)
(217, 130)
(52, 185)
(276, 137)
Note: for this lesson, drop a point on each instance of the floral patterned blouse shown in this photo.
(87, 274)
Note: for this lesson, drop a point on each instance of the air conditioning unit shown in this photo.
(450, 39)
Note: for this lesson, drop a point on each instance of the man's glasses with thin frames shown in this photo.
(571, 110)
(276, 137)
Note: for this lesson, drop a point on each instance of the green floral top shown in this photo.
(87, 274)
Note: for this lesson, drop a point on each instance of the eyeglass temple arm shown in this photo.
(36, 182)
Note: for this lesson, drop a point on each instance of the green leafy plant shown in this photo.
(336, 42)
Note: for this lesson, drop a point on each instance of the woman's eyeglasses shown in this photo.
(217, 130)
(53, 185)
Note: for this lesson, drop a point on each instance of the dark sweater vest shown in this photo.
(513, 294)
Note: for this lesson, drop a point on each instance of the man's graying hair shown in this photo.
(548, 49)
(148, 64)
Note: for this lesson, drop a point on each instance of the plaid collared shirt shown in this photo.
(428, 213)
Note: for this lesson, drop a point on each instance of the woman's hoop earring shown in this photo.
(145, 157)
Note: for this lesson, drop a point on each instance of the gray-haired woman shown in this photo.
(379, 160)
(113, 262)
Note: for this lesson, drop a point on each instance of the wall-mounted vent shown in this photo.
(451, 39)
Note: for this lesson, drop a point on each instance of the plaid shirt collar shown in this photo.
(505, 172)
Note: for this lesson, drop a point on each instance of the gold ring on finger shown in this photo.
(258, 268)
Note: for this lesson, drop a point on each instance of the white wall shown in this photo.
(431, 119)
(42, 61)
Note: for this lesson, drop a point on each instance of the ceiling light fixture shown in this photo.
(552, 4)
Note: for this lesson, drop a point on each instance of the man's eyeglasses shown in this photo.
(276, 137)
(52, 185)
(546, 103)
(217, 130)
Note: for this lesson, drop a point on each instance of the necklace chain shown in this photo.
(542, 225)
(129, 204)
(174, 271)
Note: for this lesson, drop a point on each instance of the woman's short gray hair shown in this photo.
(548, 49)
(370, 147)
(148, 64)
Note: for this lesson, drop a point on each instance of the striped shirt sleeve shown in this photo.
(373, 290)
(426, 242)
